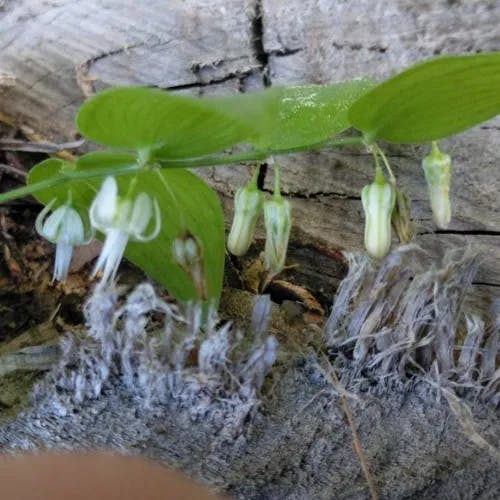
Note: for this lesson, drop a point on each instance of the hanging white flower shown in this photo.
(121, 219)
(65, 228)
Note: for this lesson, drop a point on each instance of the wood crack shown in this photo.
(215, 81)
(260, 54)
(381, 49)
(284, 52)
(317, 194)
(485, 283)
(464, 232)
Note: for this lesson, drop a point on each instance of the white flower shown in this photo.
(121, 219)
(65, 228)
(378, 201)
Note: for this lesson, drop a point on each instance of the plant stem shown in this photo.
(392, 178)
(57, 180)
(209, 161)
(259, 155)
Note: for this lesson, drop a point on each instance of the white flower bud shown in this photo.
(248, 202)
(378, 201)
(278, 221)
(188, 253)
(437, 168)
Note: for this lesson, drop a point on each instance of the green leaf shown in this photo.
(431, 100)
(288, 117)
(139, 118)
(188, 204)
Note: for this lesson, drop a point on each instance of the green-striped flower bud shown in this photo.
(437, 168)
(247, 207)
(278, 221)
(378, 201)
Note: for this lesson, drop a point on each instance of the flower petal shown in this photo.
(156, 230)
(64, 252)
(141, 214)
(103, 208)
(72, 231)
(40, 219)
(53, 223)
(111, 255)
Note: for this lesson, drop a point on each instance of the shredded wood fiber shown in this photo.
(239, 413)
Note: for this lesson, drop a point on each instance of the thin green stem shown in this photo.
(277, 191)
(258, 155)
(379, 175)
(435, 148)
(255, 178)
(65, 178)
(392, 178)
(227, 159)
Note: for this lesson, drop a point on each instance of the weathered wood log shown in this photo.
(53, 54)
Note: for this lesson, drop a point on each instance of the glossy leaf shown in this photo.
(173, 126)
(187, 204)
(288, 117)
(431, 100)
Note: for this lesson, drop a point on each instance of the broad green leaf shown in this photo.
(139, 118)
(188, 204)
(431, 100)
(288, 117)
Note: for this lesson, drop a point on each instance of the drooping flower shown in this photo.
(278, 222)
(378, 201)
(437, 168)
(121, 219)
(248, 202)
(64, 227)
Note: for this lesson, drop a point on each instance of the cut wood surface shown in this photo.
(53, 54)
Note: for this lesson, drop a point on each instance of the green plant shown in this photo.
(153, 137)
